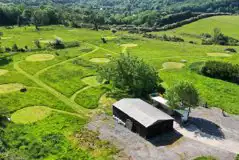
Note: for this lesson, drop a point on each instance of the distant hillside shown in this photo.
(142, 5)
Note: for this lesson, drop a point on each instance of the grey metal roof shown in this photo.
(141, 111)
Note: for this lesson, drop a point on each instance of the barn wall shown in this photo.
(161, 127)
(137, 127)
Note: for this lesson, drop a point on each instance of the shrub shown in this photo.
(113, 30)
(57, 44)
(103, 40)
(237, 157)
(15, 48)
(205, 158)
(37, 44)
(232, 50)
(171, 38)
(7, 49)
(221, 70)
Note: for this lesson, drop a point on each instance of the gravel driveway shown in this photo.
(170, 146)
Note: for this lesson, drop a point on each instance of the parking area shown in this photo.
(184, 143)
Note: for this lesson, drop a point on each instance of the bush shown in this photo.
(7, 49)
(15, 48)
(205, 158)
(232, 50)
(103, 40)
(57, 44)
(237, 157)
(171, 38)
(221, 70)
(37, 44)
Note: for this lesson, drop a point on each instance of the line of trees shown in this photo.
(221, 70)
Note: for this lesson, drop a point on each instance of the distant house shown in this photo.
(141, 117)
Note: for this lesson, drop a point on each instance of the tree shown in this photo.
(182, 94)
(131, 74)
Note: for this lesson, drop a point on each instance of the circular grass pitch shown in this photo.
(91, 81)
(173, 65)
(3, 71)
(40, 57)
(11, 87)
(129, 45)
(45, 41)
(219, 55)
(30, 114)
(100, 60)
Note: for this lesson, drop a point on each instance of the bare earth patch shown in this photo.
(173, 65)
(129, 45)
(91, 81)
(30, 114)
(11, 87)
(3, 71)
(40, 57)
(219, 55)
(100, 60)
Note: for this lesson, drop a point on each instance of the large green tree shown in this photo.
(182, 94)
(131, 74)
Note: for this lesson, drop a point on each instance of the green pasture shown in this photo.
(228, 25)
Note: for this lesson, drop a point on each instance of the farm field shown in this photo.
(61, 85)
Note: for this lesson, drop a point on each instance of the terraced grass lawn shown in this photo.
(90, 97)
(66, 78)
(30, 115)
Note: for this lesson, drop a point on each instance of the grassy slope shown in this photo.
(228, 25)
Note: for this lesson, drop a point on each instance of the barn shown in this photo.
(141, 117)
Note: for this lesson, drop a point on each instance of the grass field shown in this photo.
(227, 24)
(64, 81)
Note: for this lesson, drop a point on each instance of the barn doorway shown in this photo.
(129, 124)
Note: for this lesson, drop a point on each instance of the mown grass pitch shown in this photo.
(219, 55)
(100, 60)
(40, 57)
(30, 114)
(91, 81)
(129, 45)
(3, 71)
(11, 87)
(173, 65)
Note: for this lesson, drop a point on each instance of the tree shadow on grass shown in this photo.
(205, 128)
(166, 139)
(5, 61)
